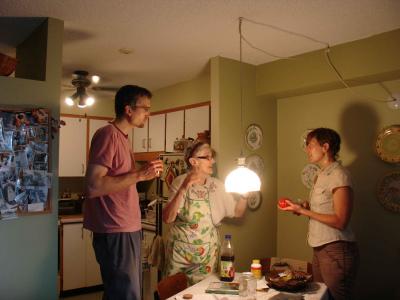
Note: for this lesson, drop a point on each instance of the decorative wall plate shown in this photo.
(388, 144)
(255, 163)
(254, 200)
(389, 192)
(308, 174)
(254, 136)
(303, 139)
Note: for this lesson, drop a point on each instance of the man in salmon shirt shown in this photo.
(112, 209)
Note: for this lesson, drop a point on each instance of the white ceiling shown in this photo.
(172, 40)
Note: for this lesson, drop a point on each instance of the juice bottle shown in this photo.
(227, 269)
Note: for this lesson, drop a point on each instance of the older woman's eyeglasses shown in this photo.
(208, 157)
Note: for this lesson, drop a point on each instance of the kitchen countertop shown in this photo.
(63, 219)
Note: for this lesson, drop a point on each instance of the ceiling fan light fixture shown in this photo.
(81, 82)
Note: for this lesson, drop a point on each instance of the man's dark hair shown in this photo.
(128, 95)
(326, 135)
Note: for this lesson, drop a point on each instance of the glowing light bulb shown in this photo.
(69, 101)
(95, 79)
(242, 180)
(89, 101)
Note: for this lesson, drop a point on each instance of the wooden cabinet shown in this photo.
(197, 119)
(79, 267)
(72, 148)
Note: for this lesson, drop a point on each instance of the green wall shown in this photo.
(254, 236)
(360, 62)
(184, 93)
(308, 96)
(28, 252)
(285, 98)
(220, 85)
(358, 121)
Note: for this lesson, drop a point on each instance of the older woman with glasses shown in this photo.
(197, 204)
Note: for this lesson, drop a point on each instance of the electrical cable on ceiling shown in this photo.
(327, 56)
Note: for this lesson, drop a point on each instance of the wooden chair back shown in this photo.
(171, 285)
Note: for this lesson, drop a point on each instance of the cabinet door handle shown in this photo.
(144, 143)
(149, 143)
(83, 168)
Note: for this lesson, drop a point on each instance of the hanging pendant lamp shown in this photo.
(242, 180)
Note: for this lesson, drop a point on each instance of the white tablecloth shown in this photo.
(316, 291)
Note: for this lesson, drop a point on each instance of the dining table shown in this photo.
(314, 291)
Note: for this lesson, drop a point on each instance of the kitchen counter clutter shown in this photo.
(315, 291)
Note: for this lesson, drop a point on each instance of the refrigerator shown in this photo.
(174, 165)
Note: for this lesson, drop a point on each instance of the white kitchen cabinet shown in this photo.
(95, 124)
(197, 119)
(140, 138)
(75, 138)
(150, 138)
(156, 139)
(174, 129)
(79, 266)
(72, 148)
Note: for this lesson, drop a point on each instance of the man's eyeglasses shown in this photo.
(145, 108)
(208, 157)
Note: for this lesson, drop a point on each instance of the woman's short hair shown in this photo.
(128, 95)
(326, 135)
(193, 149)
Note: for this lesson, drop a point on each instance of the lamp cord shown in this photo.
(241, 84)
(327, 56)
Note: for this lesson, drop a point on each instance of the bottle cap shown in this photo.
(256, 261)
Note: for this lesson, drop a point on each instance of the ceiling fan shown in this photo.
(80, 83)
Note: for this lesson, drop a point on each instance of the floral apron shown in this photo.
(193, 242)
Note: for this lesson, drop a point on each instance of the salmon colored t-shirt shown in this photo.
(118, 211)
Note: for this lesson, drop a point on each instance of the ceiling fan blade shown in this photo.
(67, 87)
(105, 88)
